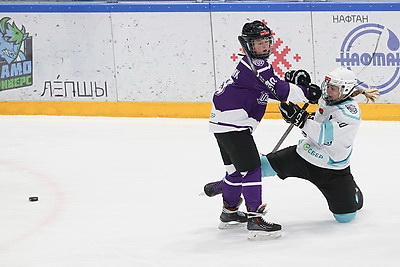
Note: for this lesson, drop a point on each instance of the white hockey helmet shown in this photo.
(343, 78)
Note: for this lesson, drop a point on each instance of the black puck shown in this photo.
(33, 199)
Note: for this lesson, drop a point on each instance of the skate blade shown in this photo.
(263, 235)
(230, 225)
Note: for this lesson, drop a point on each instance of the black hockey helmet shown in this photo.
(257, 30)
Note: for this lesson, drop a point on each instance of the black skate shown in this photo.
(260, 229)
(231, 217)
(213, 189)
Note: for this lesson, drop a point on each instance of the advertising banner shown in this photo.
(56, 57)
(365, 42)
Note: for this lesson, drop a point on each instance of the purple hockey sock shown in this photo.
(232, 188)
(251, 188)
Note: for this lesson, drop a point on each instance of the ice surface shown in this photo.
(124, 192)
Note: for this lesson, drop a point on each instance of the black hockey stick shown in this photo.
(243, 43)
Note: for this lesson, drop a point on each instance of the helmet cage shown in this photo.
(250, 46)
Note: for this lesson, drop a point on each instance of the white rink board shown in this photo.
(183, 55)
(163, 57)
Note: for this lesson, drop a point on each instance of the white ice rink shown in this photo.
(124, 192)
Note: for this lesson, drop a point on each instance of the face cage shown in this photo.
(271, 41)
(325, 96)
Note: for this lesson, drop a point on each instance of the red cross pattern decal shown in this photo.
(280, 58)
(297, 57)
(234, 57)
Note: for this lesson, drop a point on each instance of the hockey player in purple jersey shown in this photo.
(323, 157)
(238, 107)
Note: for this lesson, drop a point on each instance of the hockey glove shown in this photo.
(292, 113)
(300, 77)
(313, 93)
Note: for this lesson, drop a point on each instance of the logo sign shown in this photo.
(258, 62)
(372, 52)
(263, 99)
(15, 56)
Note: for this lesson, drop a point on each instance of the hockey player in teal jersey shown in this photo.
(323, 156)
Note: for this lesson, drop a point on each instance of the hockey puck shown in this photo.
(32, 199)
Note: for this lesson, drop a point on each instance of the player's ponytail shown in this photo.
(371, 94)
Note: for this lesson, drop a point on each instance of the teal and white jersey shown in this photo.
(330, 135)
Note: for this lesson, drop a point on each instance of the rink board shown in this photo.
(115, 59)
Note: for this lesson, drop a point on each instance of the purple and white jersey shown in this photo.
(240, 102)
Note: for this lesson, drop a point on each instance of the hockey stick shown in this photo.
(372, 56)
(243, 43)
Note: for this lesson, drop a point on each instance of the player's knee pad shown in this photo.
(266, 168)
(344, 217)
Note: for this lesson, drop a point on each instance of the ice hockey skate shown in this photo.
(258, 228)
(231, 217)
(213, 189)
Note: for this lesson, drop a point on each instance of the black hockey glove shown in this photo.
(292, 113)
(300, 77)
(313, 93)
